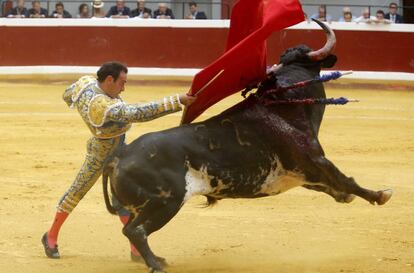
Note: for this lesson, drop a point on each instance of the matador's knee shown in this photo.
(98, 150)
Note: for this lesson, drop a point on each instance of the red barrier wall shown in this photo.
(193, 47)
(90, 46)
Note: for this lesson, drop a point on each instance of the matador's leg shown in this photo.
(97, 152)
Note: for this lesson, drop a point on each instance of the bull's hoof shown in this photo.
(154, 266)
(162, 261)
(384, 196)
(140, 260)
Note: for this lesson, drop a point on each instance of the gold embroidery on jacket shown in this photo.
(99, 107)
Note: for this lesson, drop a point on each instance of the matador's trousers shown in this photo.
(97, 151)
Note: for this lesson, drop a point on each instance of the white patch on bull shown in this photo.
(198, 182)
(280, 180)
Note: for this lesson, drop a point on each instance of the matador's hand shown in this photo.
(186, 99)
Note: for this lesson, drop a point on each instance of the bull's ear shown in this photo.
(329, 61)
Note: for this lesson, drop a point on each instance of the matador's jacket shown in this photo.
(108, 119)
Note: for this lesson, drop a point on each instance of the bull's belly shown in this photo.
(276, 181)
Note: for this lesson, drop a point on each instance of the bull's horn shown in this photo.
(328, 47)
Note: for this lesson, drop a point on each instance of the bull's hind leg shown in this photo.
(339, 182)
(340, 197)
(153, 216)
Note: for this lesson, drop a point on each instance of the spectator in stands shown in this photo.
(7, 5)
(83, 11)
(347, 17)
(346, 11)
(37, 11)
(19, 11)
(141, 11)
(322, 15)
(365, 17)
(393, 16)
(97, 11)
(119, 10)
(163, 12)
(380, 17)
(60, 11)
(194, 13)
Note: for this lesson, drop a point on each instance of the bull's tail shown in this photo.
(108, 169)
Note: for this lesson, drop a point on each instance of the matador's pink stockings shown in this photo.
(52, 234)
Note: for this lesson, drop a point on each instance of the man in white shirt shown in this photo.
(322, 15)
(365, 17)
(345, 13)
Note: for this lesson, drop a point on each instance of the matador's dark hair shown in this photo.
(111, 69)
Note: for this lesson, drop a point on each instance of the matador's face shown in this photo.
(120, 82)
(114, 88)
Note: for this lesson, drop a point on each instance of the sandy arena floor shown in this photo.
(42, 145)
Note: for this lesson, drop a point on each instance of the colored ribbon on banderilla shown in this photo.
(325, 101)
(323, 78)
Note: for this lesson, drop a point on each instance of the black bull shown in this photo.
(252, 150)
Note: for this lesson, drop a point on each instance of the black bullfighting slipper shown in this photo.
(52, 253)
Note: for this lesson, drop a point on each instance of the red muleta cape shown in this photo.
(244, 61)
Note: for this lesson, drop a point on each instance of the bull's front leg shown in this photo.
(341, 183)
(152, 216)
(137, 235)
